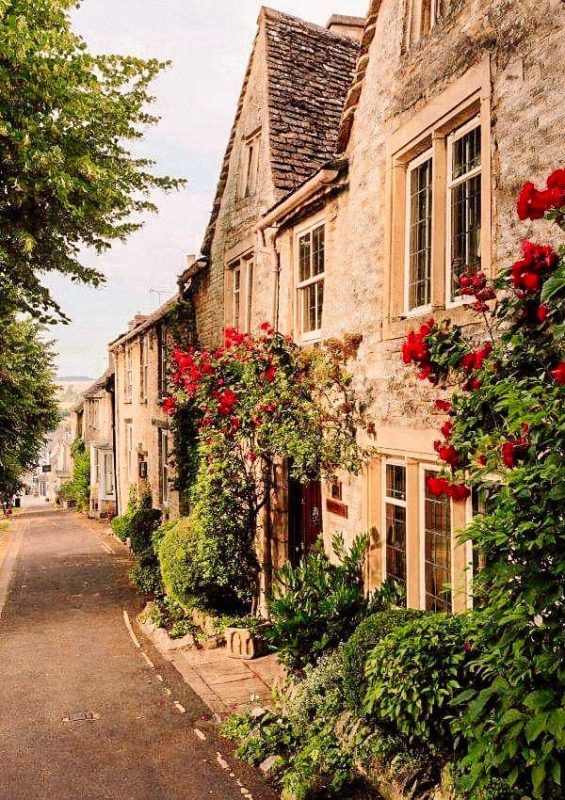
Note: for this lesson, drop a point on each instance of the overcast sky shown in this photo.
(208, 42)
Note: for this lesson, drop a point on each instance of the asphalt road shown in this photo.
(66, 655)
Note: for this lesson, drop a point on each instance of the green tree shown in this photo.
(68, 179)
(28, 407)
(77, 490)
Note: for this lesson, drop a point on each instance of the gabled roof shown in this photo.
(147, 323)
(99, 384)
(309, 71)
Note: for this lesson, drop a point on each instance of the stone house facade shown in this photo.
(92, 420)
(285, 130)
(143, 443)
(453, 106)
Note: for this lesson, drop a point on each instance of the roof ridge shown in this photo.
(275, 13)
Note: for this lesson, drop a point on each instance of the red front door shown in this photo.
(305, 523)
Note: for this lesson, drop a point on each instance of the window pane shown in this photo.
(396, 543)
(319, 303)
(437, 546)
(420, 235)
(396, 481)
(236, 297)
(466, 153)
(304, 257)
(249, 294)
(318, 241)
(465, 230)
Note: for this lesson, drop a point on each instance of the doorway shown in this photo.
(305, 518)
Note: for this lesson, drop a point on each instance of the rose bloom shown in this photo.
(558, 373)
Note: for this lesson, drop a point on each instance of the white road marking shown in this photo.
(134, 638)
(181, 709)
(221, 761)
(201, 736)
(106, 548)
(148, 660)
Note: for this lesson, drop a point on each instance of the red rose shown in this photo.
(268, 407)
(532, 204)
(252, 456)
(508, 456)
(542, 312)
(459, 492)
(447, 429)
(556, 188)
(558, 373)
(468, 647)
(438, 486)
(482, 459)
(447, 453)
(226, 402)
(270, 372)
(443, 405)
(267, 328)
(170, 405)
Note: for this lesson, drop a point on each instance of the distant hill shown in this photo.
(74, 379)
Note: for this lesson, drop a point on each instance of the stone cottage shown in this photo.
(143, 445)
(452, 107)
(92, 420)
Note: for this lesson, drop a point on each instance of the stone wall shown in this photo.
(147, 420)
(519, 47)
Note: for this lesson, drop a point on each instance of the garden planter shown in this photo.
(245, 644)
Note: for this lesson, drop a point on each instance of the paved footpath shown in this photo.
(88, 709)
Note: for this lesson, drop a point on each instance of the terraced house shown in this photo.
(370, 163)
(143, 444)
(447, 114)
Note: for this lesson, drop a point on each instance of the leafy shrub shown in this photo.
(197, 570)
(355, 651)
(77, 490)
(318, 603)
(141, 525)
(120, 525)
(146, 577)
(414, 673)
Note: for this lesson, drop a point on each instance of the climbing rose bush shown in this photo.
(251, 404)
(503, 437)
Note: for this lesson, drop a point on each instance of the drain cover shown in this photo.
(81, 716)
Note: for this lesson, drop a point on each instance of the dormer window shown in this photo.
(250, 164)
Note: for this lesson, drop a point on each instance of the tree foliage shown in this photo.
(28, 407)
(77, 490)
(68, 179)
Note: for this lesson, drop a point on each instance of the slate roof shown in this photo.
(99, 384)
(148, 322)
(309, 72)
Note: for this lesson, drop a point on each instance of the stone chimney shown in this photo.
(136, 321)
(353, 27)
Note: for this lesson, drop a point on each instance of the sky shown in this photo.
(208, 43)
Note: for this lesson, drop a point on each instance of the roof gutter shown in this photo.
(322, 178)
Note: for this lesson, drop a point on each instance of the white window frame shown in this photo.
(316, 334)
(129, 450)
(423, 468)
(427, 155)
(96, 466)
(241, 303)
(128, 384)
(107, 457)
(95, 413)
(250, 165)
(394, 501)
(451, 184)
(144, 367)
(164, 453)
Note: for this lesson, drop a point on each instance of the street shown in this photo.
(84, 711)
